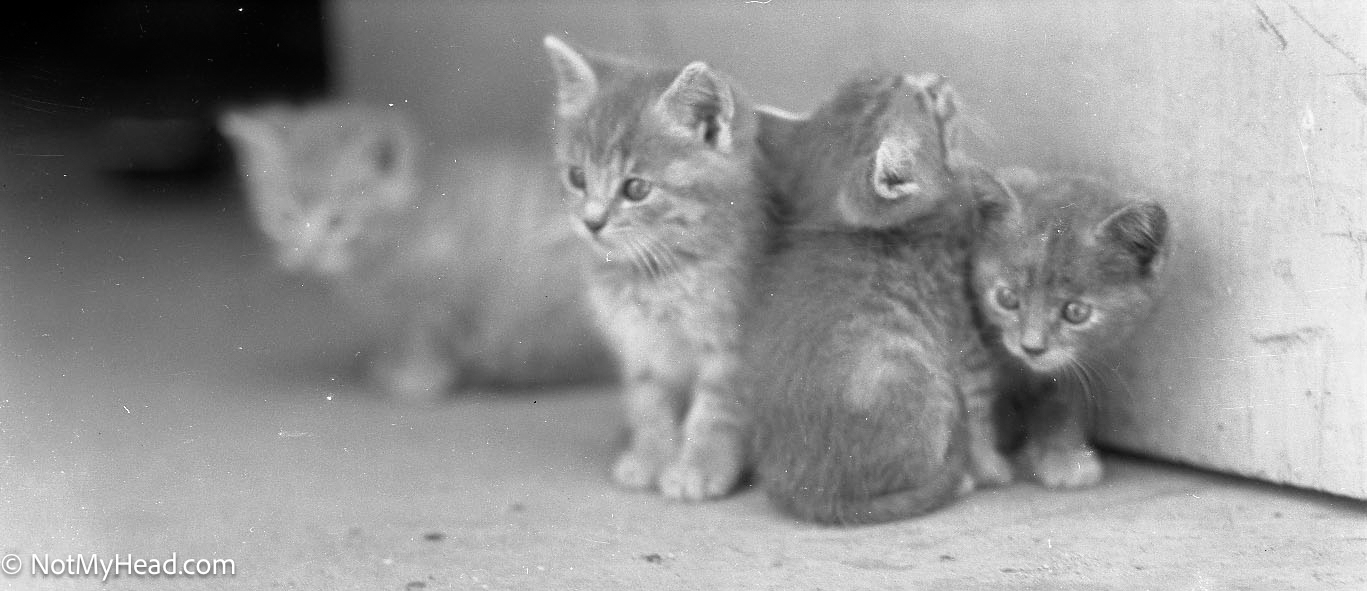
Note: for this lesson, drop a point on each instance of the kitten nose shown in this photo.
(594, 216)
(595, 224)
(1033, 344)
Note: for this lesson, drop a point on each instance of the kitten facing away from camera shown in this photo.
(661, 172)
(1065, 269)
(459, 263)
(863, 359)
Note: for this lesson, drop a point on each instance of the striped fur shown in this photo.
(669, 281)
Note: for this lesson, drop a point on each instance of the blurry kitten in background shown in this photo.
(1065, 269)
(461, 261)
(661, 166)
(865, 370)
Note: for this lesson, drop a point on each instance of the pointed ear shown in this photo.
(917, 103)
(251, 135)
(894, 165)
(701, 104)
(392, 156)
(576, 84)
(997, 200)
(939, 99)
(1141, 228)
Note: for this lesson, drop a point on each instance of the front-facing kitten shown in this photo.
(1065, 269)
(862, 356)
(660, 166)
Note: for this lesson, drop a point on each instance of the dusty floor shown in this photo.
(160, 392)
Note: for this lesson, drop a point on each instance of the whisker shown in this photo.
(1085, 378)
(669, 261)
(653, 263)
(640, 259)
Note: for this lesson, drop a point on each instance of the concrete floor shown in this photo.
(161, 391)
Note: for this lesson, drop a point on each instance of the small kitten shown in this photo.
(661, 165)
(1065, 269)
(865, 366)
(450, 258)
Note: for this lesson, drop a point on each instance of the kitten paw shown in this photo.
(991, 469)
(966, 486)
(706, 473)
(636, 470)
(416, 382)
(1064, 468)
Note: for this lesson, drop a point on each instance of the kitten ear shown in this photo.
(895, 161)
(393, 157)
(700, 104)
(894, 166)
(252, 136)
(939, 99)
(576, 84)
(1141, 228)
(998, 202)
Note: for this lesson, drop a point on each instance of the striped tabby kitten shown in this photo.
(660, 165)
(421, 250)
(1066, 269)
(863, 359)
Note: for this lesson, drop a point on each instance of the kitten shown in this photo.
(661, 166)
(421, 248)
(866, 371)
(1065, 269)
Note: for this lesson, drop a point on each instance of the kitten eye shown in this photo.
(1076, 312)
(1007, 299)
(576, 177)
(636, 189)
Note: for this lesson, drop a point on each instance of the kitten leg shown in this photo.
(1056, 449)
(713, 453)
(652, 411)
(980, 390)
(415, 368)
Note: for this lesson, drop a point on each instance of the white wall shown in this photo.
(1248, 119)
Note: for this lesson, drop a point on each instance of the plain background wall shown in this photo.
(1247, 119)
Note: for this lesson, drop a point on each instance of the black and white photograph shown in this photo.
(650, 294)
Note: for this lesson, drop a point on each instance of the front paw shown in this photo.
(704, 472)
(990, 467)
(1076, 467)
(416, 381)
(637, 469)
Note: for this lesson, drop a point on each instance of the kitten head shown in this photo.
(1066, 267)
(657, 162)
(876, 155)
(315, 175)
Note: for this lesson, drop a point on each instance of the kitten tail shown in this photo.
(947, 483)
